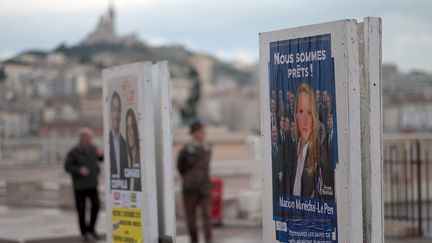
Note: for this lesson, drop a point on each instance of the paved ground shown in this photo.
(253, 235)
(408, 240)
(42, 225)
(19, 224)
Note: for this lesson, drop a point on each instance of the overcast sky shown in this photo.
(226, 28)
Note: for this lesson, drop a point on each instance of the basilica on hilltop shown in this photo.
(105, 32)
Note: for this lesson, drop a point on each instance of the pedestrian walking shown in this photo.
(194, 166)
(82, 163)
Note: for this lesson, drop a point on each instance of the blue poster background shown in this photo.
(295, 62)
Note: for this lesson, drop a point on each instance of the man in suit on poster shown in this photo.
(118, 147)
(328, 169)
(292, 107)
(276, 165)
(283, 142)
(287, 135)
(273, 110)
(280, 110)
(326, 107)
(288, 101)
(318, 100)
(282, 137)
(288, 156)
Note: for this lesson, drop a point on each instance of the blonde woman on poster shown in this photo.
(307, 179)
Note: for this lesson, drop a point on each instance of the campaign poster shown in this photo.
(304, 146)
(124, 138)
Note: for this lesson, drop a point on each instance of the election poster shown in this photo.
(310, 124)
(303, 138)
(124, 158)
(127, 137)
(124, 140)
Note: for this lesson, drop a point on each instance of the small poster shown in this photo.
(304, 146)
(126, 225)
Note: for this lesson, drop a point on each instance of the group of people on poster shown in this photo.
(303, 147)
(124, 153)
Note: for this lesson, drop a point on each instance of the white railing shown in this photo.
(24, 151)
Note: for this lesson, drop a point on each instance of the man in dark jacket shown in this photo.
(82, 164)
(194, 166)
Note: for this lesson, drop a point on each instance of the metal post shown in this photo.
(393, 201)
(165, 239)
(412, 162)
(419, 202)
(428, 219)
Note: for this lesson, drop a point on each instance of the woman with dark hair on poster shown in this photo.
(307, 179)
(132, 138)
